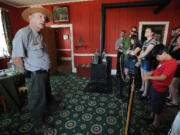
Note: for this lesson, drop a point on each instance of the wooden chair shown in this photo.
(22, 94)
(2, 98)
(22, 89)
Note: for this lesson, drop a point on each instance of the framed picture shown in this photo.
(60, 14)
(65, 37)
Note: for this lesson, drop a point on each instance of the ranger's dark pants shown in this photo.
(39, 93)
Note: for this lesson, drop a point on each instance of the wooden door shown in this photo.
(49, 39)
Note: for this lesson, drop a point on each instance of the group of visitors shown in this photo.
(159, 68)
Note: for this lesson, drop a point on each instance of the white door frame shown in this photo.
(166, 23)
(72, 46)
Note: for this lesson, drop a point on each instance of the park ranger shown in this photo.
(29, 54)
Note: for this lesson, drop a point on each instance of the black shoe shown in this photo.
(151, 128)
(168, 100)
(143, 97)
(45, 128)
(148, 119)
(139, 92)
(121, 97)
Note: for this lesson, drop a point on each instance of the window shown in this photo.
(3, 46)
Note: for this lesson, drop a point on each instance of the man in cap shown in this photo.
(29, 54)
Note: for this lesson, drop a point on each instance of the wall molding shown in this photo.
(82, 54)
(113, 71)
(63, 49)
(65, 58)
(91, 54)
(112, 55)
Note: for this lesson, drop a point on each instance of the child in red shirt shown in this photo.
(160, 79)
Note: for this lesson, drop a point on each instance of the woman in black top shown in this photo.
(132, 52)
(175, 53)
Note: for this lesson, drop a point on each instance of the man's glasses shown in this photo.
(133, 31)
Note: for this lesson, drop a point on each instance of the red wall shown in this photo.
(63, 44)
(85, 18)
(124, 18)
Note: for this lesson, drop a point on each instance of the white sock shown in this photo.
(144, 94)
(142, 88)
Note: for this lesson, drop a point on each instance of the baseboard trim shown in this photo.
(113, 71)
(65, 58)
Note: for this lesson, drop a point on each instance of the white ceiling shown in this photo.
(27, 3)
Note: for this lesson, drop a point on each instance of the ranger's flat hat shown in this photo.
(35, 9)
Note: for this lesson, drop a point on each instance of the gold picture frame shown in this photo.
(60, 14)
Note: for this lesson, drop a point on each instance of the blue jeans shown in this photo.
(145, 65)
(130, 64)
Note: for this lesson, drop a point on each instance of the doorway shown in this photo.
(64, 47)
(160, 30)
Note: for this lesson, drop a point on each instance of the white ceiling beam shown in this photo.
(28, 3)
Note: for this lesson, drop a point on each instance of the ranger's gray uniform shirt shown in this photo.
(29, 45)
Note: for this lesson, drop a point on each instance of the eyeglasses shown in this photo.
(134, 31)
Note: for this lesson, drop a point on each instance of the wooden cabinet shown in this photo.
(3, 63)
(49, 39)
(84, 70)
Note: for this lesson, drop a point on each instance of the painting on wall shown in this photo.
(60, 14)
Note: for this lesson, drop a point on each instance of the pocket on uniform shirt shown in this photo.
(37, 51)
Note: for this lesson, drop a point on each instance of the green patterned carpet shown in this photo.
(86, 113)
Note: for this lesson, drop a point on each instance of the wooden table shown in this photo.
(8, 88)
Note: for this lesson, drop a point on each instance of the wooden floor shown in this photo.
(65, 66)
